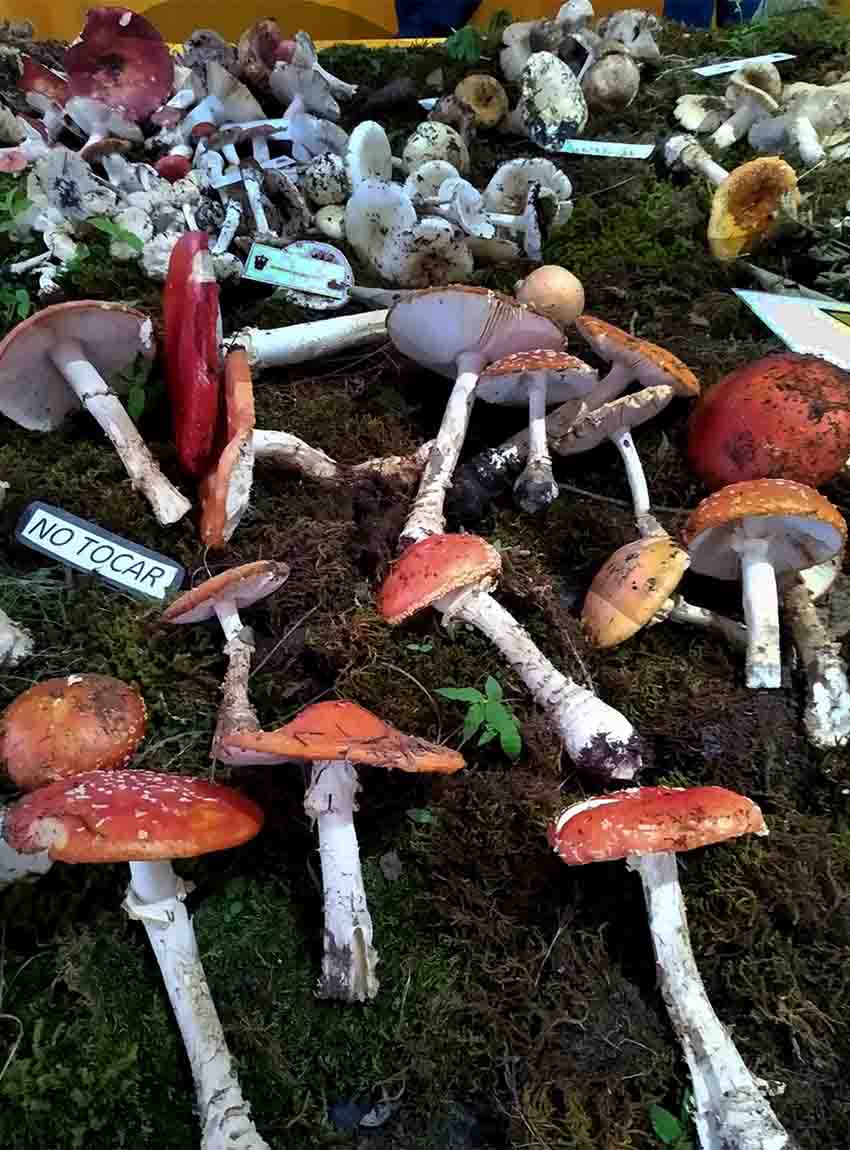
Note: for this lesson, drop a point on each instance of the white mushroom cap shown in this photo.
(633, 27)
(575, 15)
(495, 251)
(433, 253)
(330, 221)
(98, 119)
(424, 182)
(312, 136)
(592, 427)
(516, 52)
(612, 82)
(508, 188)
(290, 80)
(701, 113)
(468, 207)
(762, 75)
(325, 181)
(111, 334)
(376, 217)
(237, 102)
(368, 155)
(552, 104)
(435, 141)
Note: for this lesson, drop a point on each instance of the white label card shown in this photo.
(806, 326)
(282, 268)
(733, 65)
(605, 148)
(87, 547)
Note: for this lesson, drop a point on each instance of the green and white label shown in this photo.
(283, 269)
(606, 148)
(87, 547)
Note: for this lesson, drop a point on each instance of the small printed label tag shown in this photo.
(281, 268)
(87, 547)
(806, 326)
(733, 65)
(606, 148)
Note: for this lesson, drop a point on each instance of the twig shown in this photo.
(283, 639)
(620, 502)
(610, 187)
(425, 692)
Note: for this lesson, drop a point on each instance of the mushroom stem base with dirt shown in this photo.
(69, 358)
(16, 643)
(279, 347)
(155, 897)
(286, 450)
(236, 712)
(827, 713)
(16, 867)
(349, 960)
(599, 740)
(730, 1111)
(761, 610)
(536, 488)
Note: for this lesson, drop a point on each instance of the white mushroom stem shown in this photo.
(253, 194)
(647, 524)
(69, 358)
(229, 228)
(827, 713)
(16, 643)
(803, 135)
(737, 126)
(426, 516)
(680, 611)
(15, 867)
(155, 897)
(282, 346)
(349, 961)
(536, 488)
(696, 159)
(285, 450)
(761, 610)
(22, 266)
(730, 1111)
(236, 712)
(598, 739)
(227, 614)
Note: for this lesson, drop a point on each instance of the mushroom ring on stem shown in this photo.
(64, 352)
(147, 819)
(756, 531)
(337, 737)
(455, 574)
(647, 826)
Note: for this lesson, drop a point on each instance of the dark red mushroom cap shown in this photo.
(36, 78)
(122, 60)
(63, 727)
(126, 816)
(785, 416)
(173, 168)
(650, 820)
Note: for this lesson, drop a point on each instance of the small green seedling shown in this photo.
(673, 1131)
(15, 304)
(468, 44)
(420, 648)
(487, 714)
(117, 233)
(13, 203)
(136, 392)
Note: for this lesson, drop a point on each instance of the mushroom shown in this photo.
(535, 378)
(753, 92)
(701, 113)
(64, 352)
(59, 728)
(615, 421)
(485, 96)
(633, 360)
(335, 738)
(648, 826)
(300, 342)
(226, 489)
(303, 76)
(463, 204)
(435, 141)
(784, 416)
(454, 574)
(46, 92)
(457, 114)
(575, 15)
(612, 81)
(221, 597)
(634, 28)
(551, 106)
(516, 51)
(324, 181)
(509, 187)
(424, 183)
(368, 156)
(260, 47)
(148, 819)
(456, 331)
(756, 531)
(554, 292)
(814, 120)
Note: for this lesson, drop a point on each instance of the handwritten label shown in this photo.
(806, 326)
(606, 148)
(286, 269)
(87, 547)
(733, 65)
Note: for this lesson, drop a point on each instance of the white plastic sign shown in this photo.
(87, 547)
(806, 326)
(733, 65)
(605, 148)
(282, 268)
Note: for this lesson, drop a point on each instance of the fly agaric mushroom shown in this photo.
(60, 728)
(551, 106)
(647, 826)
(147, 819)
(756, 531)
(485, 96)
(554, 292)
(784, 416)
(64, 352)
(456, 331)
(337, 737)
(536, 378)
(633, 360)
(221, 597)
(121, 60)
(226, 489)
(454, 574)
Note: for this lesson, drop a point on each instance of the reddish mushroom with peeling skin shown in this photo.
(785, 416)
(634, 360)
(260, 47)
(226, 489)
(72, 355)
(454, 574)
(335, 738)
(647, 826)
(146, 819)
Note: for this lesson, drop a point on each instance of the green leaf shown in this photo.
(487, 736)
(511, 741)
(135, 402)
(474, 719)
(493, 688)
(465, 44)
(420, 648)
(666, 1125)
(130, 239)
(23, 303)
(420, 815)
(462, 694)
(685, 1112)
(102, 224)
(498, 715)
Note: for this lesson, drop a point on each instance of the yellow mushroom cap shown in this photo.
(630, 588)
(746, 205)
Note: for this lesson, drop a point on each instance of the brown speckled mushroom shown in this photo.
(335, 738)
(221, 597)
(146, 819)
(454, 574)
(754, 532)
(72, 355)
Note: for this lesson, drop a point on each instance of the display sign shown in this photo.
(733, 65)
(806, 326)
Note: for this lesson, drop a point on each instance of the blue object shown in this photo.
(696, 12)
(735, 11)
(432, 17)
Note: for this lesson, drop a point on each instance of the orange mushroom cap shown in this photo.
(224, 492)
(434, 567)
(653, 365)
(64, 727)
(245, 584)
(630, 587)
(126, 816)
(746, 205)
(651, 820)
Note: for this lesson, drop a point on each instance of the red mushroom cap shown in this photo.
(122, 60)
(260, 47)
(434, 567)
(124, 816)
(649, 820)
(36, 78)
(192, 359)
(173, 168)
(785, 416)
(244, 585)
(63, 727)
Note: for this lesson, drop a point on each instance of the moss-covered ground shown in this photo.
(518, 1004)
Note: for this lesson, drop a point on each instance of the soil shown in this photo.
(518, 1005)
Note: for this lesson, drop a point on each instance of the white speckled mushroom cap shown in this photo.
(368, 155)
(433, 140)
(551, 104)
(508, 380)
